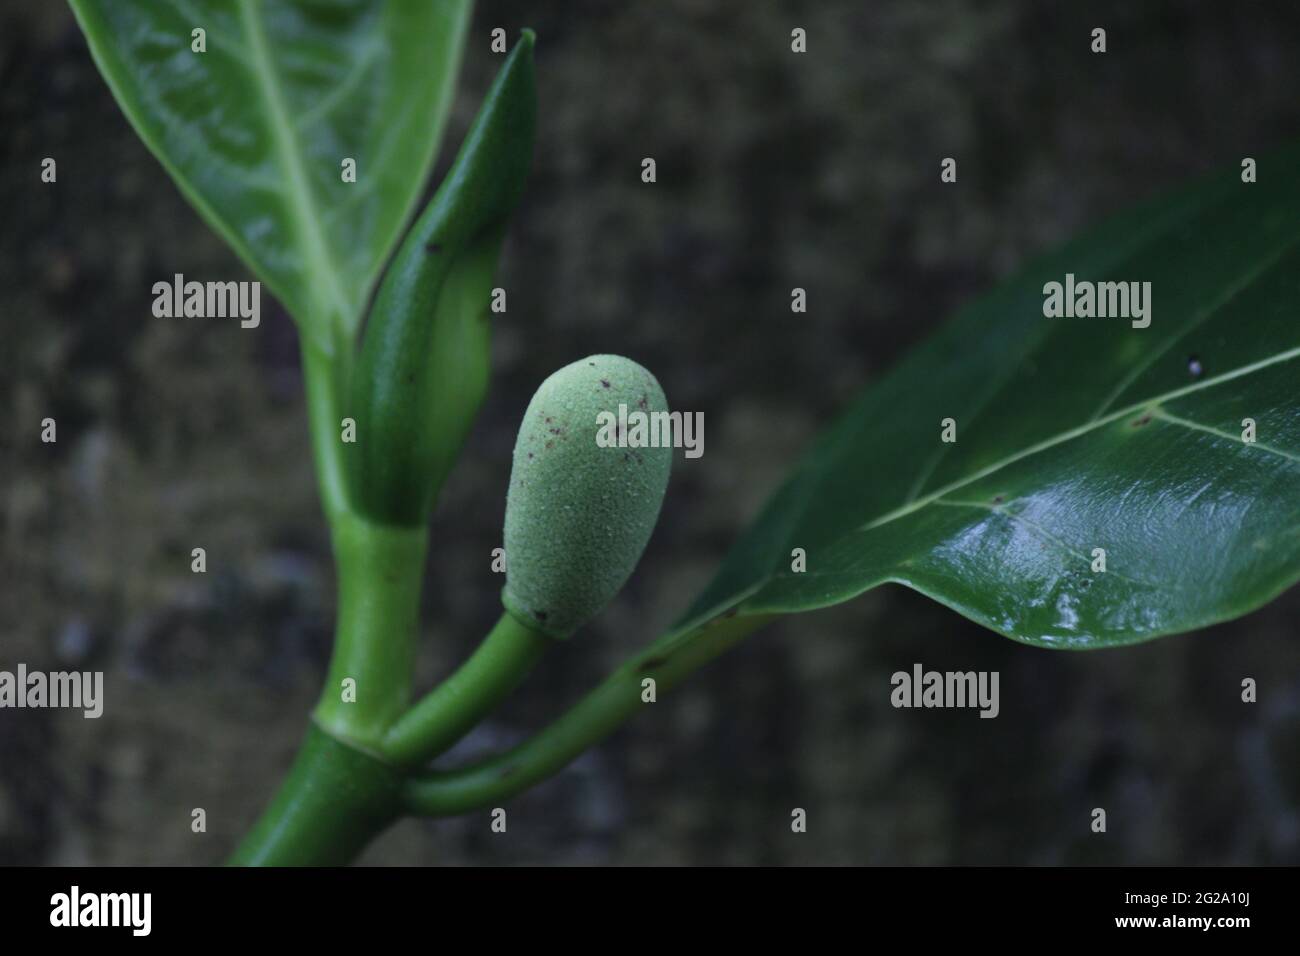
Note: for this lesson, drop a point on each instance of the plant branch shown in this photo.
(456, 705)
(667, 661)
(332, 803)
(380, 572)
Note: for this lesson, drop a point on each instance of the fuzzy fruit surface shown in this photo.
(578, 515)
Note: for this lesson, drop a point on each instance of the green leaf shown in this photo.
(1072, 434)
(255, 129)
(424, 363)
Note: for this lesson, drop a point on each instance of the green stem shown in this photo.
(320, 377)
(667, 661)
(380, 570)
(334, 801)
(457, 705)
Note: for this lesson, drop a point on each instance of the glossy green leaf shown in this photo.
(423, 368)
(1073, 434)
(255, 130)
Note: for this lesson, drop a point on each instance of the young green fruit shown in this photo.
(579, 515)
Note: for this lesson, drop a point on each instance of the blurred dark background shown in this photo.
(775, 171)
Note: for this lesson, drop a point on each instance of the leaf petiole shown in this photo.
(666, 662)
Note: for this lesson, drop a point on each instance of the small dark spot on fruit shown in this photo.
(1139, 422)
(540, 615)
(998, 499)
(551, 443)
(1194, 366)
(643, 403)
(604, 383)
(549, 419)
(557, 431)
(530, 456)
(592, 364)
(434, 247)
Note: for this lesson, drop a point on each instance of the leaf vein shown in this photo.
(289, 154)
(1078, 431)
(1172, 419)
(1234, 290)
(1043, 532)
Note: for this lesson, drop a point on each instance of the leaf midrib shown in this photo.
(1078, 432)
(1139, 241)
(1231, 292)
(320, 262)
